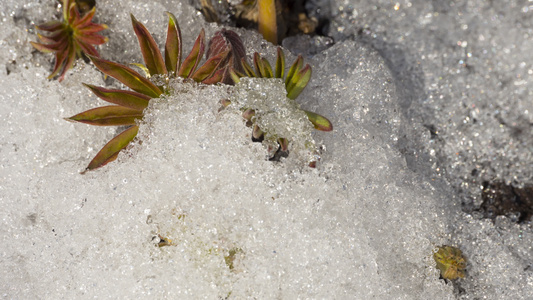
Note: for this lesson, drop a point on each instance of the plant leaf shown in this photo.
(86, 48)
(209, 66)
(151, 54)
(267, 68)
(110, 151)
(259, 67)
(85, 20)
(227, 40)
(218, 43)
(143, 68)
(54, 38)
(127, 76)
(235, 75)
(93, 38)
(61, 58)
(191, 62)
(124, 98)
(112, 115)
(295, 68)
(71, 57)
(320, 122)
(216, 77)
(49, 48)
(298, 82)
(93, 28)
(68, 5)
(51, 26)
(280, 64)
(247, 68)
(173, 45)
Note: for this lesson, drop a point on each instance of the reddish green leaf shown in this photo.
(268, 68)
(48, 48)
(247, 68)
(280, 64)
(191, 62)
(259, 67)
(46, 40)
(127, 76)
(173, 45)
(124, 98)
(151, 54)
(86, 20)
(218, 76)
(143, 68)
(320, 122)
(110, 151)
(227, 40)
(61, 57)
(93, 28)
(209, 66)
(298, 82)
(51, 26)
(295, 68)
(71, 57)
(218, 43)
(235, 75)
(73, 13)
(112, 115)
(68, 9)
(86, 48)
(54, 38)
(71, 38)
(93, 38)
(54, 43)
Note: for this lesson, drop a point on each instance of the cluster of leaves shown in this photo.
(74, 37)
(295, 80)
(225, 62)
(130, 104)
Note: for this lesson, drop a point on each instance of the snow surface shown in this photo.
(363, 225)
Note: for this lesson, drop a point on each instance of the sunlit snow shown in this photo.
(363, 225)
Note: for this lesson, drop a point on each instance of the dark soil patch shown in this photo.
(500, 199)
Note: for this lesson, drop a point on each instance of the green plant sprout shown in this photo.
(296, 79)
(74, 37)
(130, 104)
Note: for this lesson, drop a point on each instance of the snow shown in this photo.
(362, 225)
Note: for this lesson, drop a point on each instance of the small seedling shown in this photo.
(73, 38)
(130, 104)
(296, 79)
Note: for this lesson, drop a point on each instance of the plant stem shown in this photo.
(267, 20)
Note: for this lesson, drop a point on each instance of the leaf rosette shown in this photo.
(295, 80)
(129, 105)
(76, 36)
